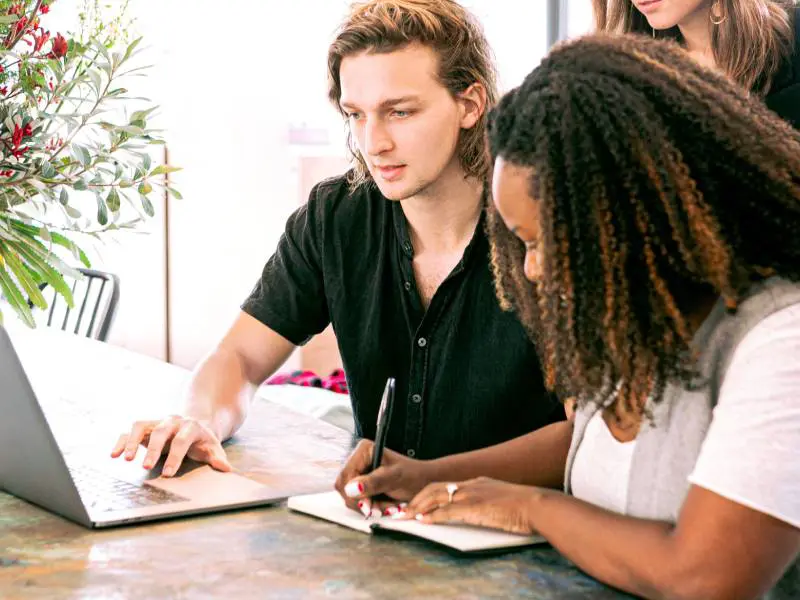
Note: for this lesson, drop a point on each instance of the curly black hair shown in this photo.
(660, 182)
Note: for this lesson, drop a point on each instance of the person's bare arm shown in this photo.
(219, 394)
(718, 548)
(224, 382)
(536, 459)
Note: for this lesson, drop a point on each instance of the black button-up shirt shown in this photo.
(467, 375)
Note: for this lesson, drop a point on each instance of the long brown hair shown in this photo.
(465, 58)
(659, 184)
(750, 44)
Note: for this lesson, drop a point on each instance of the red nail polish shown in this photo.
(360, 487)
(360, 503)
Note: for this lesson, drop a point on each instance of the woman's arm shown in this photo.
(739, 526)
(538, 459)
(718, 549)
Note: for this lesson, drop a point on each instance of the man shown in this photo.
(394, 254)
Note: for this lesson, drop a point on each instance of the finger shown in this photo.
(376, 508)
(119, 446)
(475, 512)
(449, 513)
(392, 509)
(208, 449)
(364, 506)
(356, 465)
(355, 489)
(352, 503)
(430, 498)
(186, 436)
(356, 494)
(361, 458)
(138, 432)
(382, 480)
(159, 437)
(218, 459)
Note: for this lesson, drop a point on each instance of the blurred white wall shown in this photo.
(580, 17)
(242, 90)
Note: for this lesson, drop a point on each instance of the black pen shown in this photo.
(382, 429)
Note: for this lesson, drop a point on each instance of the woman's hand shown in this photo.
(484, 502)
(399, 478)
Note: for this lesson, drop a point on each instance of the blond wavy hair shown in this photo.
(465, 58)
(750, 44)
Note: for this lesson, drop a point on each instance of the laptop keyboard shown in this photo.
(103, 492)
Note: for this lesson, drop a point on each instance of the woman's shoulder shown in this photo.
(759, 344)
(763, 299)
(773, 341)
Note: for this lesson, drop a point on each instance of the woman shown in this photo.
(756, 42)
(644, 229)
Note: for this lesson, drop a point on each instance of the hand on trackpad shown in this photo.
(194, 478)
(187, 466)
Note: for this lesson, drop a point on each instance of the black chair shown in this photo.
(96, 297)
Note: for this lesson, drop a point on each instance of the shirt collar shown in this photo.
(404, 238)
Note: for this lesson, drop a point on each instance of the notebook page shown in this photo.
(331, 507)
(465, 538)
(461, 537)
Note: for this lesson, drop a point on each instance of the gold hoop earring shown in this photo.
(717, 15)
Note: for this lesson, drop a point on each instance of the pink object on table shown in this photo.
(335, 382)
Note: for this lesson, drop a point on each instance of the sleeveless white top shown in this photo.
(602, 467)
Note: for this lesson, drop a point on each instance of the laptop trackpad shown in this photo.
(202, 482)
(193, 480)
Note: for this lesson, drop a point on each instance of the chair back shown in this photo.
(96, 297)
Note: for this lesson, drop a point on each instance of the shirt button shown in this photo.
(410, 452)
(407, 247)
(422, 342)
(407, 285)
(416, 398)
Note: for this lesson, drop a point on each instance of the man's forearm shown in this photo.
(220, 393)
(537, 459)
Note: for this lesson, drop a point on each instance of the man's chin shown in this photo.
(394, 196)
(398, 192)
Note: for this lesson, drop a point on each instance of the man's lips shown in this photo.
(390, 172)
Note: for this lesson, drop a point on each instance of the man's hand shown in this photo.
(178, 436)
(398, 477)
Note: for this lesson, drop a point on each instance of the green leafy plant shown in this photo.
(69, 165)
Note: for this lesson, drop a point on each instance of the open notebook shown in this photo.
(464, 538)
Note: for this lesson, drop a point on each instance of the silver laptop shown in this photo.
(89, 487)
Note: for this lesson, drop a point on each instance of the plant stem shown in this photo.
(86, 118)
(11, 41)
(59, 228)
(73, 82)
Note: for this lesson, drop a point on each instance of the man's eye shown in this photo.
(401, 113)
